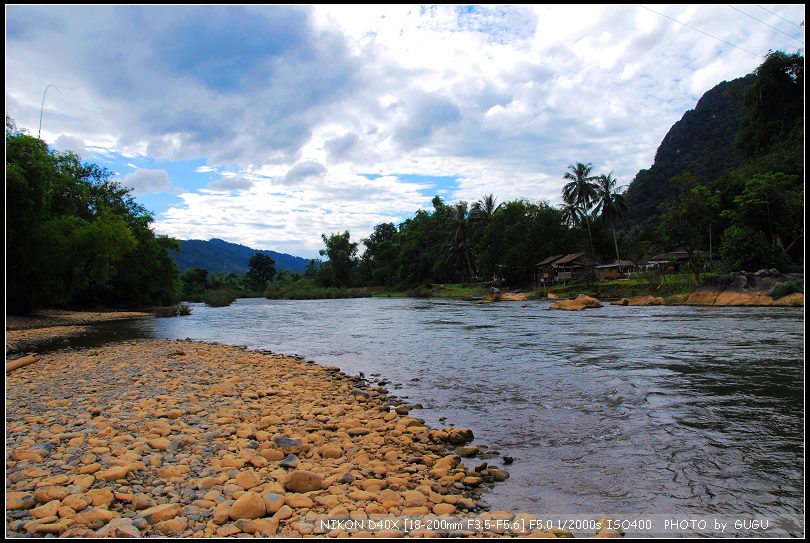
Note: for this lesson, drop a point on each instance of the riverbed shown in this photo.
(622, 410)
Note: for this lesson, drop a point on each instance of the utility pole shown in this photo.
(39, 133)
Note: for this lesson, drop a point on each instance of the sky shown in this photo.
(268, 126)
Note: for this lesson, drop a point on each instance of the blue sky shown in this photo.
(270, 125)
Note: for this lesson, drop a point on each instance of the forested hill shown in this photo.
(216, 255)
(703, 142)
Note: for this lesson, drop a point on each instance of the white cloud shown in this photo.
(503, 97)
(303, 170)
(143, 181)
(66, 142)
(228, 184)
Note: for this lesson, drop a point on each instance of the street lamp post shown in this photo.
(39, 133)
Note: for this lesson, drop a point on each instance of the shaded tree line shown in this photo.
(223, 288)
(75, 237)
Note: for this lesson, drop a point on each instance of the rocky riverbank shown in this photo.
(748, 289)
(24, 333)
(178, 438)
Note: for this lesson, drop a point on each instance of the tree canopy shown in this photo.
(75, 236)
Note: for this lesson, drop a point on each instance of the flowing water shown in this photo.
(670, 410)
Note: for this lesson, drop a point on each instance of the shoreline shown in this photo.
(184, 438)
(28, 332)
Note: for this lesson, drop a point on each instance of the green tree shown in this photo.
(745, 249)
(773, 203)
(312, 268)
(380, 256)
(459, 244)
(610, 204)
(581, 192)
(341, 252)
(261, 270)
(75, 236)
(688, 221)
(775, 102)
(195, 283)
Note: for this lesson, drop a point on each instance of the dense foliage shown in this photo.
(221, 289)
(74, 236)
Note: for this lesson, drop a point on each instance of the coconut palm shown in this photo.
(461, 237)
(611, 204)
(482, 212)
(581, 191)
(571, 214)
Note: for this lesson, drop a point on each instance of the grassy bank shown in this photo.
(463, 291)
(308, 291)
(666, 286)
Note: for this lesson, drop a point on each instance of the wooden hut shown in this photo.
(614, 270)
(575, 266)
(545, 274)
(676, 261)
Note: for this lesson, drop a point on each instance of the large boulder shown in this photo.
(577, 304)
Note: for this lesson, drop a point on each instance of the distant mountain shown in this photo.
(703, 142)
(216, 255)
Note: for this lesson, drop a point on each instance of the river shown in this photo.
(621, 410)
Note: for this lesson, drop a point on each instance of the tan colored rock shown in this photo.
(299, 501)
(159, 513)
(645, 300)
(303, 481)
(167, 472)
(84, 481)
(175, 526)
(159, 443)
(77, 502)
(90, 468)
(50, 509)
(444, 509)
(142, 501)
(272, 455)
(49, 528)
(19, 500)
(119, 528)
(100, 497)
(115, 473)
(267, 527)
(250, 505)
(222, 513)
(272, 501)
(48, 493)
(247, 479)
(331, 451)
(577, 304)
(94, 517)
(414, 498)
(791, 300)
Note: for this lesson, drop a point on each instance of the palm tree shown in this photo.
(572, 214)
(581, 191)
(611, 204)
(460, 238)
(482, 212)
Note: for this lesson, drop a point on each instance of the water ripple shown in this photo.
(677, 410)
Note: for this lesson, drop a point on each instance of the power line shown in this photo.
(702, 32)
(786, 20)
(766, 24)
